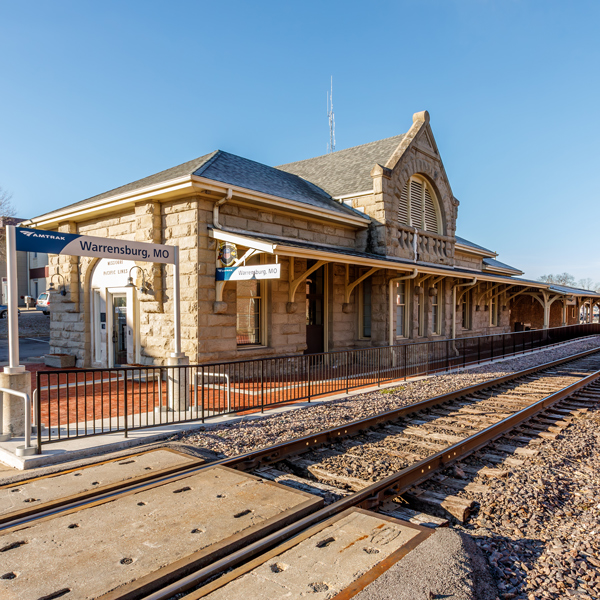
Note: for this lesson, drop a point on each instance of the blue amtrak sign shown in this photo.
(54, 242)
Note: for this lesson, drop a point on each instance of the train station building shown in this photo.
(353, 249)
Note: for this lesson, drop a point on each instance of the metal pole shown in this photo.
(13, 318)
(125, 412)
(176, 306)
(262, 386)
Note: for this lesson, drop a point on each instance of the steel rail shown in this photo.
(264, 456)
(374, 495)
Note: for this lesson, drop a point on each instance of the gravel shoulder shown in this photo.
(446, 565)
(540, 526)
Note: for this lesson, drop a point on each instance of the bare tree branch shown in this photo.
(7, 210)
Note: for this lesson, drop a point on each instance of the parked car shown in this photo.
(43, 303)
(4, 311)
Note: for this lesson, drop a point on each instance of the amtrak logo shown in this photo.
(47, 236)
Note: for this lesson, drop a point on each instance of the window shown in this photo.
(466, 310)
(401, 309)
(419, 207)
(573, 313)
(365, 310)
(494, 312)
(436, 312)
(249, 311)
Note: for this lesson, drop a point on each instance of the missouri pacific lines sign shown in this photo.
(54, 242)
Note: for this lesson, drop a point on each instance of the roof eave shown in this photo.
(177, 187)
(163, 191)
(503, 271)
(476, 251)
(276, 201)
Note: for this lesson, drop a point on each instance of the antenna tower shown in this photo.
(331, 145)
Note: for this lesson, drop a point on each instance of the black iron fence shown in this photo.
(86, 402)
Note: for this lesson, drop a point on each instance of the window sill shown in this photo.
(251, 347)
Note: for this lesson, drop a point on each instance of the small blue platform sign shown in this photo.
(54, 242)
(252, 272)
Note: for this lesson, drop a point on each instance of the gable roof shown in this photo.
(181, 170)
(496, 264)
(464, 242)
(237, 171)
(346, 171)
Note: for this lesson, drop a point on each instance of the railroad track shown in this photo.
(366, 464)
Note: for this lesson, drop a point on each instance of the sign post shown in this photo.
(13, 311)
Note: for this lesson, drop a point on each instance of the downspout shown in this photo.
(392, 337)
(454, 288)
(218, 204)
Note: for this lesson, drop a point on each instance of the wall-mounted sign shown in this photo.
(252, 272)
(111, 273)
(54, 242)
(227, 253)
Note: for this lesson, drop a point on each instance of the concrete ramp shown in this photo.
(335, 559)
(130, 545)
(18, 500)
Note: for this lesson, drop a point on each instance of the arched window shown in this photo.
(419, 206)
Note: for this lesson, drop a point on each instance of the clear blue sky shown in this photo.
(98, 94)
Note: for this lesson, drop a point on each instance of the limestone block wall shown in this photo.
(467, 261)
(247, 218)
(343, 326)
(172, 223)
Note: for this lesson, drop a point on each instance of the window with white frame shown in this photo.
(401, 308)
(436, 311)
(250, 310)
(419, 207)
(466, 310)
(365, 308)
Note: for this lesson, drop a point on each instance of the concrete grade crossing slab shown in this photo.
(335, 559)
(118, 547)
(19, 499)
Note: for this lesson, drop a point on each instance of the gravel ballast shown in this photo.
(253, 434)
(540, 526)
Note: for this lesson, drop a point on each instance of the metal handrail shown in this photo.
(24, 450)
(91, 403)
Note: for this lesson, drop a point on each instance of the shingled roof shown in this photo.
(236, 171)
(346, 171)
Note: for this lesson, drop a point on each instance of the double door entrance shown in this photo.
(315, 312)
(114, 339)
(119, 329)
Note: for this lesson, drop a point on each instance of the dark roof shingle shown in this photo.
(345, 171)
(235, 170)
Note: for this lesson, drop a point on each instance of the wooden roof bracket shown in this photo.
(349, 287)
(292, 306)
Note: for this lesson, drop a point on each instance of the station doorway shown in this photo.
(315, 311)
(114, 315)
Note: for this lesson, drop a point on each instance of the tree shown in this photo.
(588, 284)
(559, 279)
(7, 210)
